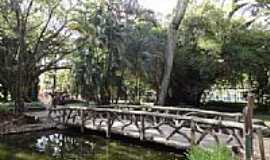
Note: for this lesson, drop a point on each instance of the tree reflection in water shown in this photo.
(69, 146)
(62, 146)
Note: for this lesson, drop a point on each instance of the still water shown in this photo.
(68, 146)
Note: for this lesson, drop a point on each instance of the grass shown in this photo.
(6, 106)
(262, 112)
(36, 104)
(213, 153)
(9, 106)
(233, 107)
(264, 117)
(8, 154)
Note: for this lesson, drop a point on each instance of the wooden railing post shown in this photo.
(248, 129)
(82, 121)
(261, 144)
(50, 114)
(192, 132)
(142, 128)
(64, 117)
(109, 125)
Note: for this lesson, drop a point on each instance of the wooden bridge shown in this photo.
(175, 127)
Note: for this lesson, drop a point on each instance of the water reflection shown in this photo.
(65, 146)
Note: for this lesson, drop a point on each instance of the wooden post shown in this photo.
(192, 132)
(64, 117)
(109, 125)
(248, 129)
(261, 144)
(238, 118)
(50, 114)
(142, 131)
(82, 121)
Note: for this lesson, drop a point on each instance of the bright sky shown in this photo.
(159, 6)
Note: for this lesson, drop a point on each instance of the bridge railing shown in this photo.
(181, 110)
(180, 131)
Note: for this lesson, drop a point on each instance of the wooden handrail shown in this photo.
(172, 108)
(222, 123)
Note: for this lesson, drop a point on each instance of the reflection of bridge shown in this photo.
(170, 126)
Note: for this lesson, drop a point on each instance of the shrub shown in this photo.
(213, 153)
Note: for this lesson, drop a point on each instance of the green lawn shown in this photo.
(264, 117)
(6, 106)
(9, 106)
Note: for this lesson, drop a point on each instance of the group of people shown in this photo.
(59, 98)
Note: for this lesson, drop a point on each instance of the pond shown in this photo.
(66, 145)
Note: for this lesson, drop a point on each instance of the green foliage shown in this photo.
(115, 51)
(196, 64)
(213, 153)
(4, 154)
(7, 154)
(216, 50)
(120, 49)
(33, 40)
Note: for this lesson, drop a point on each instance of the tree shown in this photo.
(33, 40)
(196, 64)
(101, 34)
(143, 56)
(178, 16)
(117, 38)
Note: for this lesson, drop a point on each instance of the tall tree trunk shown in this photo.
(19, 102)
(178, 16)
(21, 76)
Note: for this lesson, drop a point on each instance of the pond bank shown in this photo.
(28, 122)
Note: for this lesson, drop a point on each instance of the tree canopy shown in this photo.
(117, 49)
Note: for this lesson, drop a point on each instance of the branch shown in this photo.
(28, 12)
(54, 68)
(235, 9)
(16, 9)
(58, 31)
(47, 45)
(44, 30)
(44, 68)
(6, 19)
(179, 13)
